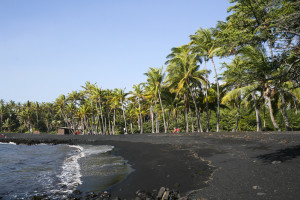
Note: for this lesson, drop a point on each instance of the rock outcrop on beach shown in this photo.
(161, 194)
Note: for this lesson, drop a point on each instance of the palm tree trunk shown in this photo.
(103, 128)
(199, 128)
(237, 117)
(272, 116)
(218, 97)
(264, 112)
(206, 97)
(109, 126)
(1, 117)
(168, 121)
(131, 127)
(124, 118)
(37, 121)
(84, 126)
(186, 115)
(114, 122)
(176, 124)
(192, 120)
(257, 113)
(92, 124)
(284, 113)
(186, 120)
(152, 118)
(105, 125)
(98, 119)
(157, 122)
(141, 119)
(163, 112)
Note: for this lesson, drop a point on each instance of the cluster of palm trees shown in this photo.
(29, 116)
(258, 90)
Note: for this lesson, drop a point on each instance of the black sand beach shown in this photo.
(201, 166)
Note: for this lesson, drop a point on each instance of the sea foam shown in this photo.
(70, 174)
(70, 177)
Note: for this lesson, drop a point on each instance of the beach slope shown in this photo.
(199, 165)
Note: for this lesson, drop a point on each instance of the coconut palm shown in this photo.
(98, 95)
(154, 84)
(259, 69)
(120, 97)
(83, 111)
(183, 72)
(25, 115)
(205, 45)
(138, 94)
(36, 108)
(234, 79)
(2, 112)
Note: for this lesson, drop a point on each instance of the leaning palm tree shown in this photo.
(259, 69)
(154, 84)
(184, 72)
(205, 45)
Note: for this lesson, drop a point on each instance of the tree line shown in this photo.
(258, 90)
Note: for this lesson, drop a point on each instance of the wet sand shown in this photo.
(201, 166)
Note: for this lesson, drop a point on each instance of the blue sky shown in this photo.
(53, 47)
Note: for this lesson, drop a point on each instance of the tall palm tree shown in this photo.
(138, 94)
(204, 44)
(83, 111)
(259, 69)
(154, 84)
(98, 95)
(183, 72)
(2, 112)
(36, 108)
(120, 95)
(60, 105)
(25, 115)
(234, 79)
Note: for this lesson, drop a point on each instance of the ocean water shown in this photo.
(57, 170)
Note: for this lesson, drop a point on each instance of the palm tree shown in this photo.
(259, 69)
(234, 78)
(2, 112)
(25, 115)
(183, 72)
(60, 105)
(120, 96)
(83, 111)
(8, 123)
(36, 108)
(138, 94)
(154, 84)
(98, 95)
(47, 109)
(204, 44)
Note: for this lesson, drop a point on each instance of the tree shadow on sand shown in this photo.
(281, 155)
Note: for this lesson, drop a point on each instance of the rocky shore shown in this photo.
(161, 194)
(197, 166)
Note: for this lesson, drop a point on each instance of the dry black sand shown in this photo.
(202, 166)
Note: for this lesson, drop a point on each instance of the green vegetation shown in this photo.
(259, 90)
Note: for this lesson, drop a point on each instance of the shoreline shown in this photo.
(199, 165)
